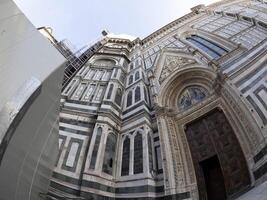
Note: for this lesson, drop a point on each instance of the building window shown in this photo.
(136, 76)
(158, 158)
(90, 74)
(136, 63)
(131, 66)
(115, 72)
(130, 81)
(89, 92)
(212, 49)
(118, 97)
(98, 75)
(110, 91)
(190, 96)
(79, 91)
(109, 154)
(149, 138)
(122, 77)
(145, 94)
(137, 94)
(125, 157)
(99, 93)
(138, 153)
(106, 76)
(129, 99)
(95, 150)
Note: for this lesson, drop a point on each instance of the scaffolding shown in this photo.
(77, 59)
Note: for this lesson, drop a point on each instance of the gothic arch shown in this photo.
(193, 75)
(220, 96)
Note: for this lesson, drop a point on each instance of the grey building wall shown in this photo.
(30, 84)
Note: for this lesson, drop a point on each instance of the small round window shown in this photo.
(191, 96)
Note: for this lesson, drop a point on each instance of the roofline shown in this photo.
(194, 12)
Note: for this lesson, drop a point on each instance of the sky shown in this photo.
(82, 21)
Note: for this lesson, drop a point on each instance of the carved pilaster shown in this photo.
(219, 81)
(176, 154)
(167, 159)
(251, 133)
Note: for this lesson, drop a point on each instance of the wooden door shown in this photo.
(214, 180)
(212, 135)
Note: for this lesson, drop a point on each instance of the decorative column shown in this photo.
(166, 153)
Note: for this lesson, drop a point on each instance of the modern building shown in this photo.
(180, 114)
(31, 74)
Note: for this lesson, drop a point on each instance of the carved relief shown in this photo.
(173, 63)
(252, 138)
(178, 164)
(163, 152)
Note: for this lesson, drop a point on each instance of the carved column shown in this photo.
(167, 158)
(172, 152)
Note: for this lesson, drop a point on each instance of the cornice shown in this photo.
(119, 40)
(168, 26)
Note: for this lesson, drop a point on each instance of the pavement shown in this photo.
(257, 193)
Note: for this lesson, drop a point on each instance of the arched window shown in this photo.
(138, 154)
(190, 96)
(211, 48)
(125, 162)
(137, 94)
(109, 154)
(136, 76)
(130, 81)
(118, 97)
(129, 99)
(96, 146)
(110, 91)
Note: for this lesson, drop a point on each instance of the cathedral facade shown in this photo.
(180, 114)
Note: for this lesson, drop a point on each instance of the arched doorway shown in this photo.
(210, 137)
(219, 163)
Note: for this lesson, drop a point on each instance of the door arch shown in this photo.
(167, 99)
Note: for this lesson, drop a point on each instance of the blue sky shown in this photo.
(81, 21)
